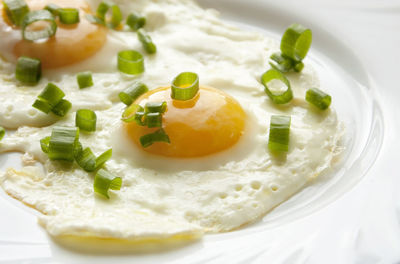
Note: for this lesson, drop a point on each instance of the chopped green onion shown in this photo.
(48, 98)
(51, 99)
(158, 136)
(185, 86)
(146, 41)
(129, 95)
(281, 98)
(116, 15)
(86, 120)
(153, 119)
(279, 133)
(155, 107)
(35, 16)
(130, 62)
(84, 79)
(28, 70)
(62, 143)
(129, 114)
(16, 10)
(2, 132)
(298, 67)
(318, 98)
(103, 158)
(69, 16)
(62, 108)
(51, 94)
(86, 160)
(44, 144)
(104, 180)
(296, 42)
(135, 21)
(139, 118)
(52, 8)
(281, 62)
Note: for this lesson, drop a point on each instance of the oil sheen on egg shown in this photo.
(164, 195)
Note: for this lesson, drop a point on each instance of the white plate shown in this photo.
(350, 216)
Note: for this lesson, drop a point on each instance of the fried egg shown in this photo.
(191, 186)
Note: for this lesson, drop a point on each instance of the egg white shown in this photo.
(162, 197)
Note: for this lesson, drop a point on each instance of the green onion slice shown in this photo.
(318, 98)
(153, 119)
(35, 16)
(28, 70)
(146, 41)
(140, 118)
(48, 98)
(52, 8)
(185, 86)
(103, 158)
(84, 79)
(94, 19)
(130, 94)
(135, 21)
(63, 143)
(280, 98)
(16, 10)
(44, 144)
(69, 16)
(155, 107)
(104, 180)
(279, 133)
(2, 132)
(116, 15)
(130, 62)
(281, 62)
(296, 42)
(86, 120)
(129, 114)
(158, 136)
(62, 108)
(86, 160)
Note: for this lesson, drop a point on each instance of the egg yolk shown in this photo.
(210, 122)
(71, 43)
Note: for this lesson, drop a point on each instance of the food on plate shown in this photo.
(187, 137)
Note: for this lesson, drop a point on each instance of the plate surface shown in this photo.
(350, 216)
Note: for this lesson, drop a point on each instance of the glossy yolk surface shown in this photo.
(210, 122)
(71, 43)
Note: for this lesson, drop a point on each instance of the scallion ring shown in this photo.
(153, 119)
(116, 15)
(86, 120)
(62, 108)
(135, 21)
(28, 70)
(185, 86)
(130, 62)
(86, 160)
(62, 143)
(158, 136)
(280, 62)
(16, 10)
(146, 41)
(296, 42)
(279, 133)
(35, 16)
(84, 79)
(104, 180)
(48, 98)
(129, 114)
(318, 98)
(280, 98)
(130, 94)
(44, 144)
(69, 16)
(155, 107)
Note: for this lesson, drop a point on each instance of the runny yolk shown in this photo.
(71, 43)
(210, 122)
